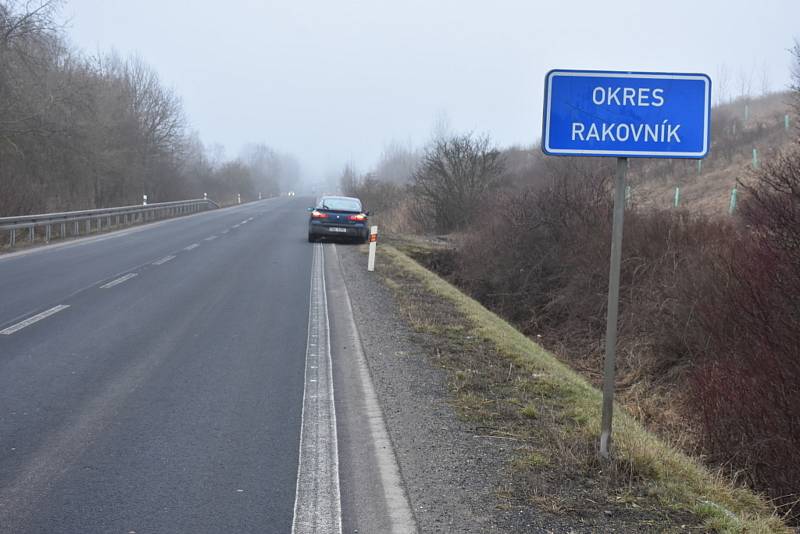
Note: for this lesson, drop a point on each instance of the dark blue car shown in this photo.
(338, 217)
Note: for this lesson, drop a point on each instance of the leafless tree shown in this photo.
(397, 164)
(765, 85)
(722, 82)
(745, 83)
(348, 180)
(453, 178)
(795, 52)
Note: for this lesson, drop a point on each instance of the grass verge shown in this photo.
(515, 391)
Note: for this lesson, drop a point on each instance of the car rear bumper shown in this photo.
(333, 230)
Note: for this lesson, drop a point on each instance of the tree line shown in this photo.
(80, 132)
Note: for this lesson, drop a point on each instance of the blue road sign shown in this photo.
(626, 114)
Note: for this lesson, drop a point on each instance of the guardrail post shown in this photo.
(13, 238)
(88, 226)
(31, 233)
(63, 230)
(47, 231)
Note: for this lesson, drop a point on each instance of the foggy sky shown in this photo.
(335, 81)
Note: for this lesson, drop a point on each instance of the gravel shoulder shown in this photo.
(453, 474)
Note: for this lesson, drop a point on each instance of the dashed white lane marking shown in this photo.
(119, 280)
(245, 221)
(192, 246)
(225, 231)
(235, 226)
(317, 504)
(210, 238)
(35, 319)
(164, 260)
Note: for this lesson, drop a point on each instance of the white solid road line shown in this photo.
(402, 518)
(35, 319)
(163, 260)
(192, 246)
(317, 505)
(119, 280)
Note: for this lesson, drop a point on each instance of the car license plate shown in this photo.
(334, 229)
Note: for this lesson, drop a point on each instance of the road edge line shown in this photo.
(396, 499)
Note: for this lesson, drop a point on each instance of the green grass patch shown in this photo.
(541, 400)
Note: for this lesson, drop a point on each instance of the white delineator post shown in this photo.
(144, 200)
(373, 244)
(238, 198)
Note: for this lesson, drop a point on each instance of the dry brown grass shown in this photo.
(518, 394)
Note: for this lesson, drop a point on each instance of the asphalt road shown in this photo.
(162, 388)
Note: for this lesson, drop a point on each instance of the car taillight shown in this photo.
(318, 215)
(359, 217)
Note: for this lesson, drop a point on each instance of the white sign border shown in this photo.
(625, 153)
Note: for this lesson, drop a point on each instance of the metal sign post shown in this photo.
(622, 115)
(609, 368)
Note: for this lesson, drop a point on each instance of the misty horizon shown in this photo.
(336, 84)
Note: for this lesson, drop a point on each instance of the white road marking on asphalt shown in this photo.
(245, 221)
(192, 246)
(35, 319)
(210, 238)
(119, 280)
(396, 501)
(317, 504)
(163, 260)
(225, 231)
(235, 226)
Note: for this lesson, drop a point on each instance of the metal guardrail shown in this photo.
(83, 222)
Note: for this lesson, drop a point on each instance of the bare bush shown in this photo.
(747, 389)
(453, 178)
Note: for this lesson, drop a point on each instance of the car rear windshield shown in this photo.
(340, 204)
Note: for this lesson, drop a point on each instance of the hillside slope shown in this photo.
(738, 128)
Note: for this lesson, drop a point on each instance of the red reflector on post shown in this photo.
(373, 238)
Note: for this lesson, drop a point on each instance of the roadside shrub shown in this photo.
(453, 179)
(747, 388)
